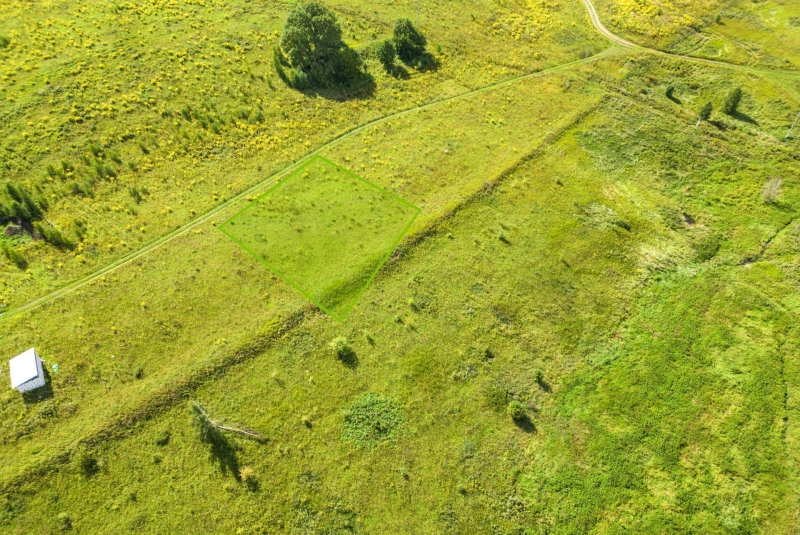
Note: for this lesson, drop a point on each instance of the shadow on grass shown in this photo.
(363, 89)
(744, 117)
(349, 358)
(425, 63)
(222, 451)
(525, 424)
(676, 100)
(40, 394)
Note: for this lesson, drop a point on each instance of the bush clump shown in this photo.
(53, 236)
(371, 420)
(409, 42)
(731, 104)
(14, 256)
(386, 54)
(516, 410)
(87, 463)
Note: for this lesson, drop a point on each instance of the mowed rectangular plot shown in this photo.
(325, 231)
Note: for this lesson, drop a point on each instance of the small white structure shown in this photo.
(26, 371)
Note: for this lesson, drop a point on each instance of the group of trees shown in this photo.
(730, 106)
(312, 53)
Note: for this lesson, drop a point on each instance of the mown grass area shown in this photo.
(130, 119)
(626, 282)
(325, 231)
(765, 34)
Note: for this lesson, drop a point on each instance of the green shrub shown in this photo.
(707, 247)
(87, 462)
(372, 419)
(341, 348)
(409, 42)
(705, 112)
(4, 41)
(731, 104)
(14, 256)
(386, 54)
(670, 92)
(516, 410)
(53, 236)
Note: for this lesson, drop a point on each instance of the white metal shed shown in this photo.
(26, 371)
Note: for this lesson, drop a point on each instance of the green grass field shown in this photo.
(325, 231)
(582, 248)
(764, 34)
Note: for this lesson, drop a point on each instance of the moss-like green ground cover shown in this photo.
(325, 231)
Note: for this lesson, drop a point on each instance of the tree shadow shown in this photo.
(361, 90)
(222, 451)
(42, 393)
(744, 117)
(424, 63)
(525, 424)
(543, 385)
(399, 72)
(349, 358)
(675, 99)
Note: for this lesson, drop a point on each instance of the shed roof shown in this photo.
(23, 368)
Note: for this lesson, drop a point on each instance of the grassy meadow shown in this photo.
(131, 119)
(764, 34)
(325, 231)
(582, 249)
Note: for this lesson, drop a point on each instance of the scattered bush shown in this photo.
(707, 247)
(670, 92)
(705, 113)
(4, 41)
(65, 521)
(53, 236)
(372, 419)
(409, 42)
(772, 190)
(340, 347)
(87, 462)
(163, 438)
(386, 54)
(14, 256)
(516, 410)
(731, 104)
(248, 477)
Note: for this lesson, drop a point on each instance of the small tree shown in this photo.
(386, 54)
(409, 42)
(731, 104)
(705, 113)
(670, 92)
(516, 410)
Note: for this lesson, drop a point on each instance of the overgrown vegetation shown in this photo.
(372, 419)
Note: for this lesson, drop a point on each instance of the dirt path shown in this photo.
(617, 40)
(120, 262)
